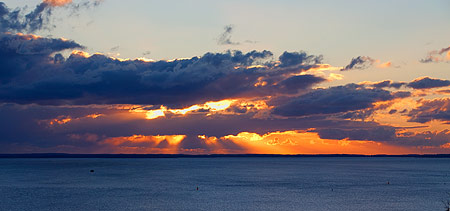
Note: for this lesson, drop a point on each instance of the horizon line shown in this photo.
(70, 155)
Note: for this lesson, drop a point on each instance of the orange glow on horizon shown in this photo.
(287, 142)
(144, 144)
(303, 142)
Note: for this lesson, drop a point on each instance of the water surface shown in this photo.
(264, 183)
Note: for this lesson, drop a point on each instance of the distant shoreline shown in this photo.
(63, 155)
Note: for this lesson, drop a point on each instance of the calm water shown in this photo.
(225, 184)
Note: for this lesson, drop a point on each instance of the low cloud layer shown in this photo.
(333, 100)
(427, 82)
(429, 110)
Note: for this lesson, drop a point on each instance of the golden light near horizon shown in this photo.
(286, 142)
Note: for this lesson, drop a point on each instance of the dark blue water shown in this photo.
(225, 184)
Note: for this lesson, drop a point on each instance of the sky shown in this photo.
(225, 77)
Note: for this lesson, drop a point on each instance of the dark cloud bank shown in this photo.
(437, 109)
(34, 72)
(334, 100)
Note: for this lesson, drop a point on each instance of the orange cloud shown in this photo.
(57, 3)
(385, 65)
(28, 36)
(212, 106)
(81, 53)
(61, 120)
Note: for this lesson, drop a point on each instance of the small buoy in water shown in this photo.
(197, 188)
(91, 170)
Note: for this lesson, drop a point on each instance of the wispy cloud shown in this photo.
(225, 37)
(360, 62)
(442, 55)
(364, 62)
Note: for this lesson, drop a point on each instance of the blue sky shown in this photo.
(337, 29)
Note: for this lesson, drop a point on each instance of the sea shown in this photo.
(225, 183)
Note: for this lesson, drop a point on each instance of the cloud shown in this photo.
(115, 48)
(88, 79)
(385, 65)
(387, 134)
(387, 84)
(333, 100)
(427, 83)
(21, 53)
(375, 133)
(360, 62)
(364, 62)
(113, 129)
(437, 56)
(436, 109)
(418, 83)
(16, 21)
(217, 102)
(57, 3)
(13, 21)
(289, 59)
(225, 37)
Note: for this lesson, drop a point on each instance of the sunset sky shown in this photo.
(218, 77)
